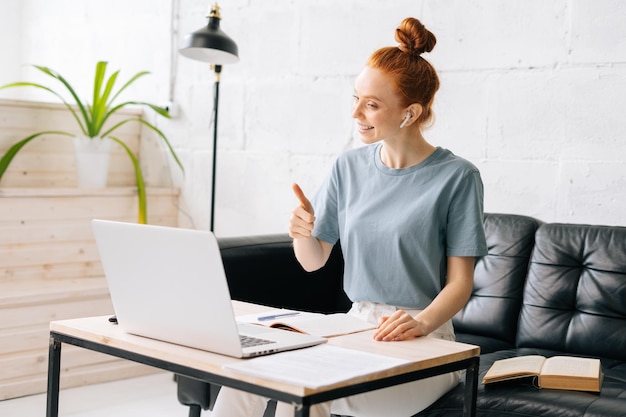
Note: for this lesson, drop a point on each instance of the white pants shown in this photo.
(398, 401)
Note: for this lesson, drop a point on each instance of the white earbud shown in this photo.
(406, 119)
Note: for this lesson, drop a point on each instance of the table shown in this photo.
(426, 357)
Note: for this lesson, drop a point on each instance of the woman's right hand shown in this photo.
(302, 217)
(311, 252)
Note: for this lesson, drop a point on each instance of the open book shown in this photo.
(324, 325)
(557, 372)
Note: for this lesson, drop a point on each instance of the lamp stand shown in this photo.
(211, 44)
(218, 70)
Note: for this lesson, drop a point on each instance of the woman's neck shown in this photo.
(399, 154)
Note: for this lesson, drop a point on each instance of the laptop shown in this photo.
(169, 284)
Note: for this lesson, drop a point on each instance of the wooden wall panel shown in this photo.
(48, 161)
(49, 263)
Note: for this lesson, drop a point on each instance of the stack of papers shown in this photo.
(316, 366)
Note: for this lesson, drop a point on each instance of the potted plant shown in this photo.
(92, 119)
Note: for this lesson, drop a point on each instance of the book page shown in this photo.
(571, 366)
(511, 368)
(571, 373)
(323, 325)
(329, 325)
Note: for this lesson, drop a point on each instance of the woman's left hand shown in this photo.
(399, 326)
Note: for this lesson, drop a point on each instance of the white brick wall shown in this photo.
(533, 92)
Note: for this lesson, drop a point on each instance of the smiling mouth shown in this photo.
(364, 128)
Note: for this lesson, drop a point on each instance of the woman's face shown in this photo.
(377, 108)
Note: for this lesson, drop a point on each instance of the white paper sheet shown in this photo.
(317, 366)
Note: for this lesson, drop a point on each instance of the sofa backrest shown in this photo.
(263, 269)
(499, 277)
(575, 294)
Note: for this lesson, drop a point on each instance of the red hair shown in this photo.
(415, 79)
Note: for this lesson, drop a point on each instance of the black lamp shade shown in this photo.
(210, 44)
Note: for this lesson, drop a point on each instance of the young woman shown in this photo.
(409, 218)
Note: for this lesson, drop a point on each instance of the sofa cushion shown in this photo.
(521, 399)
(493, 308)
(487, 344)
(575, 295)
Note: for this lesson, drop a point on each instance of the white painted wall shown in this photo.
(71, 36)
(10, 30)
(533, 92)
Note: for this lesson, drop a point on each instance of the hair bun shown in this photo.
(414, 38)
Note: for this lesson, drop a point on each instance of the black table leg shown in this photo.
(471, 388)
(195, 410)
(302, 411)
(54, 376)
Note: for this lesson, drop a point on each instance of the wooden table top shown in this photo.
(421, 353)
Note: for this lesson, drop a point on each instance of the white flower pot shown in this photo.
(92, 161)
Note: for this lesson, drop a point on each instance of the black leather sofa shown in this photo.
(543, 288)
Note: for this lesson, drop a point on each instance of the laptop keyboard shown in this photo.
(249, 341)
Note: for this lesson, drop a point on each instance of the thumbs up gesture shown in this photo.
(302, 217)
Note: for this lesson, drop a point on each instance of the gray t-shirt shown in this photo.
(396, 226)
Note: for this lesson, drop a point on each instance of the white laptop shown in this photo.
(169, 284)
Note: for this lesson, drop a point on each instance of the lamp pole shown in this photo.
(211, 44)
(218, 70)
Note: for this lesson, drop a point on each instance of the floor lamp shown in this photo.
(211, 44)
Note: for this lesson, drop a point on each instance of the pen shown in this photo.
(275, 316)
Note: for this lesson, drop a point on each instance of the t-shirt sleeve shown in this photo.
(465, 232)
(325, 204)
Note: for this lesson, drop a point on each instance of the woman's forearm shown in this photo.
(452, 297)
(311, 252)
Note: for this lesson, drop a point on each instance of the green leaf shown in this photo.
(97, 82)
(13, 150)
(101, 110)
(128, 83)
(152, 127)
(87, 126)
(43, 87)
(141, 188)
(96, 108)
